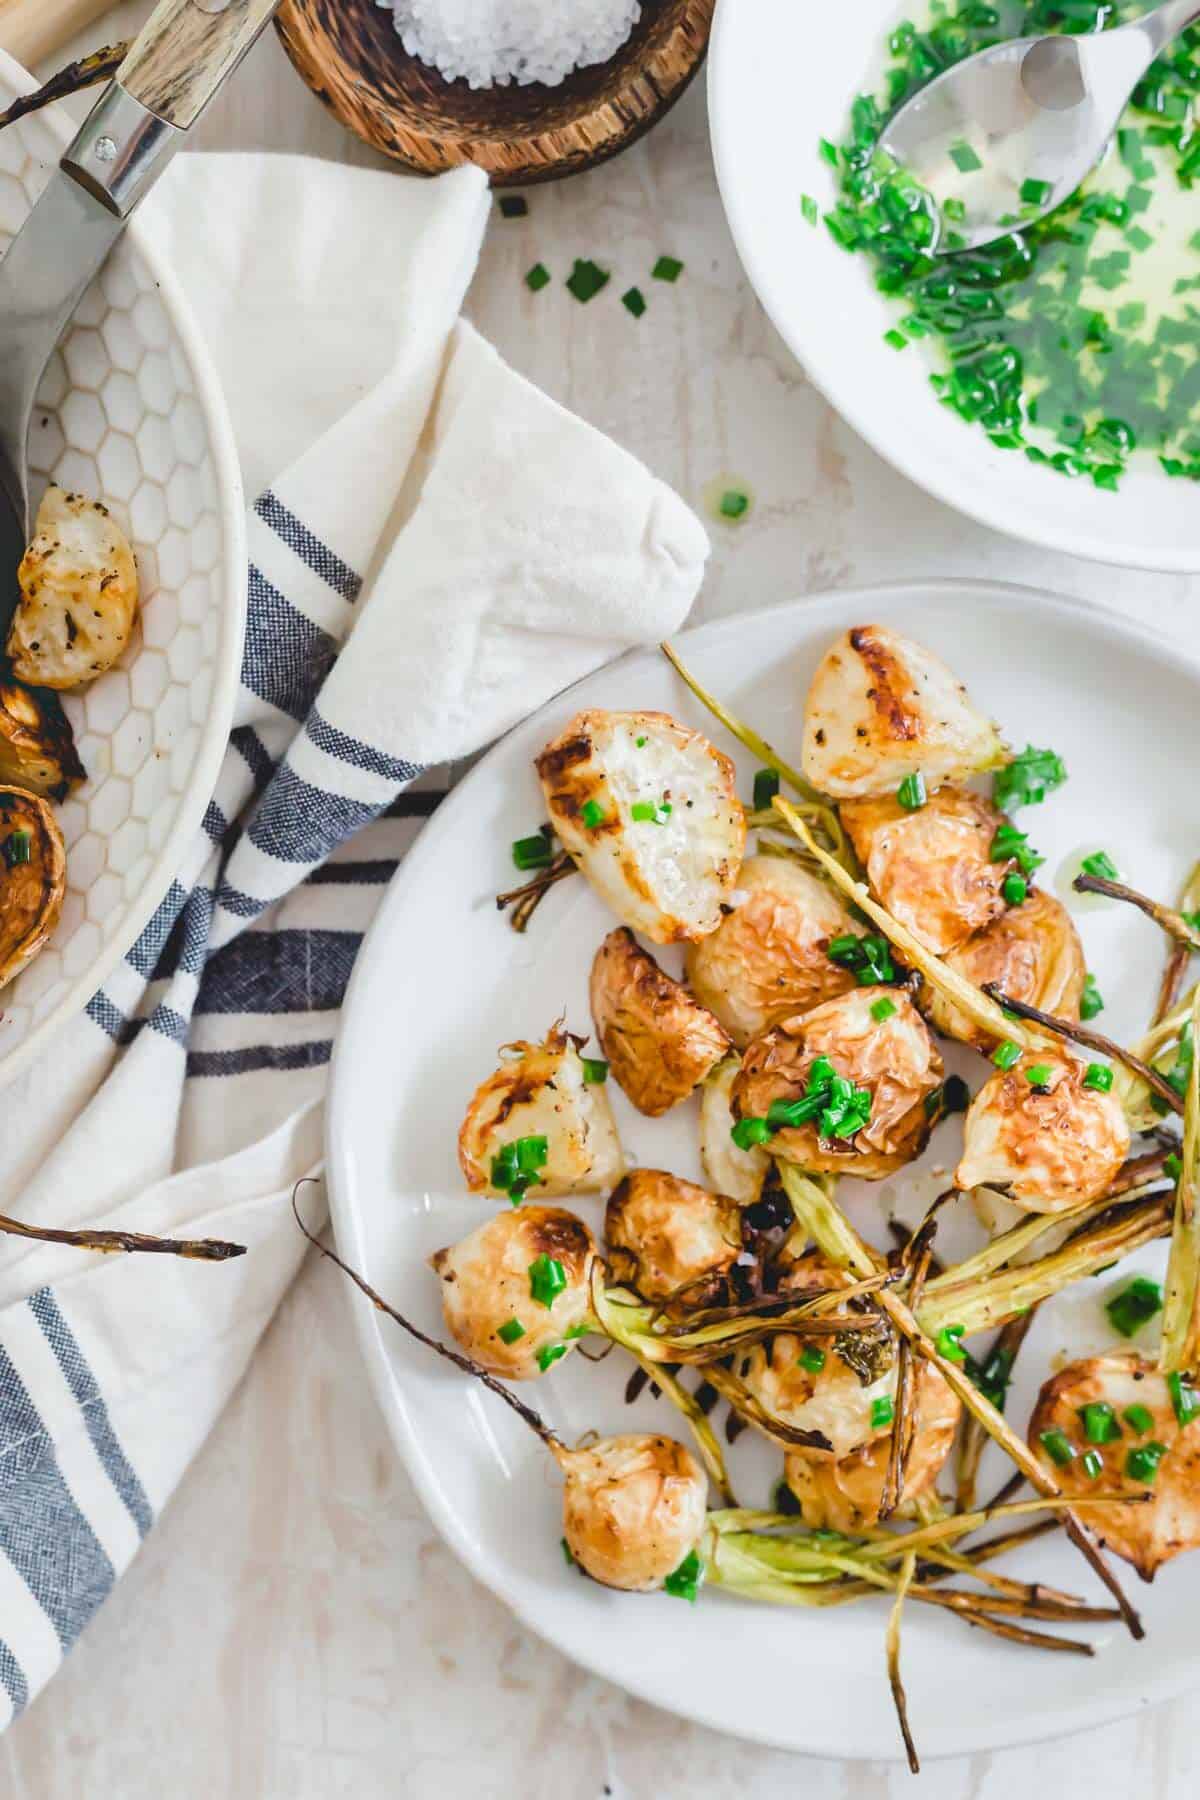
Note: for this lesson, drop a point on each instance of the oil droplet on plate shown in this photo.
(1071, 866)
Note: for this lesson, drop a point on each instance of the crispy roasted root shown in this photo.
(1032, 952)
(881, 707)
(37, 747)
(33, 878)
(488, 1289)
(633, 1509)
(670, 1240)
(846, 1493)
(932, 867)
(894, 1058)
(738, 1173)
(668, 871)
(659, 1041)
(79, 594)
(128, 1242)
(1149, 1535)
(540, 1091)
(767, 960)
(1049, 1144)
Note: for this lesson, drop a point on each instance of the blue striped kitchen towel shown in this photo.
(436, 548)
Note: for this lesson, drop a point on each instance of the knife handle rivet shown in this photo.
(105, 149)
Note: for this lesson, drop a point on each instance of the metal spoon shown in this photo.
(1033, 114)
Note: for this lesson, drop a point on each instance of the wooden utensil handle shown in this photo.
(185, 51)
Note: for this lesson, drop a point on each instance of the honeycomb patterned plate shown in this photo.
(131, 413)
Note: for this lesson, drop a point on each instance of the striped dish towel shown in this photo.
(436, 549)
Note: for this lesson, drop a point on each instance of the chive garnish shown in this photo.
(1058, 1447)
(1098, 1076)
(537, 278)
(882, 1009)
(882, 1412)
(911, 794)
(510, 1332)
(1092, 1001)
(684, 1583)
(18, 847)
(1036, 193)
(1173, 1166)
(812, 1360)
(1038, 1074)
(1134, 1306)
(595, 1070)
(964, 158)
(533, 852)
(747, 1134)
(766, 786)
(809, 208)
(667, 268)
(1184, 1398)
(592, 814)
(1099, 1422)
(549, 1355)
(1015, 889)
(947, 1343)
(547, 1279)
(1139, 1418)
(1028, 778)
(733, 504)
(634, 301)
(1100, 864)
(1006, 1054)
(586, 279)
(1142, 1464)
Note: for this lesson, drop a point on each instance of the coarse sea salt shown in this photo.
(490, 43)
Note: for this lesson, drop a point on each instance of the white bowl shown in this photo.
(131, 412)
(780, 78)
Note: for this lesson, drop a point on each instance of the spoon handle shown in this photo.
(1167, 21)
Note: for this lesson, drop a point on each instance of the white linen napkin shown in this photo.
(436, 549)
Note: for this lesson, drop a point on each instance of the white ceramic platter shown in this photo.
(780, 78)
(130, 412)
(442, 981)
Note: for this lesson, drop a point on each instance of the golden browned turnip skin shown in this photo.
(767, 960)
(881, 707)
(660, 1042)
(669, 1239)
(833, 1406)
(1169, 1523)
(31, 890)
(932, 867)
(845, 1493)
(1031, 952)
(633, 1509)
(895, 1058)
(540, 1091)
(668, 878)
(486, 1283)
(739, 1174)
(37, 747)
(1048, 1147)
(79, 594)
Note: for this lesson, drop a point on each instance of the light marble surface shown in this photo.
(294, 1628)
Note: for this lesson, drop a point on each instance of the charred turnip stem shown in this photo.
(653, 1338)
(945, 981)
(918, 1253)
(526, 1413)
(816, 803)
(73, 79)
(525, 900)
(970, 1449)
(1037, 1640)
(114, 1242)
(1092, 1040)
(1181, 1303)
(1179, 955)
(1172, 922)
(908, 1569)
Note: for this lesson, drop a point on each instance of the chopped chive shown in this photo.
(1092, 1464)
(667, 268)
(809, 208)
(1028, 778)
(1098, 1076)
(592, 814)
(513, 206)
(634, 301)
(733, 504)
(1173, 1166)
(747, 1134)
(1184, 1398)
(1134, 1306)
(882, 1412)
(640, 742)
(1141, 240)
(812, 1360)
(1142, 1464)
(766, 786)
(954, 209)
(1099, 1422)
(829, 152)
(1092, 1001)
(1006, 1054)
(1058, 1447)
(595, 1070)
(1038, 1074)
(510, 1332)
(650, 812)
(964, 158)
(586, 279)
(1015, 889)
(533, 852)
(547, 1279)
(896, 339)
(882, 1009)
(684, 1583)
(549, 1355)
(1009, 844)
(911, 794)
(1100, 864)
(1139, 1418)
(947, 1343)
(537, 278)
(18, 847)
(1036, 193)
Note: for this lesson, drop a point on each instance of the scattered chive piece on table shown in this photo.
(1139, 1418)
(911, 794)
(1038, 1074)
(537, 278)
(766, 786)
(592, 814)
(667, 268)
(1015, 889)
(1006, 1054)
(1134, 1306)
(640, 742)
(513, 206)
(533, 852)
(1098, 1076)
(733, 504)
(1092, 1001)
(510, 1332)
(1058, 1447)
(809, 208)
(595, 1070)
(829, 152)
(1101, 864)
(586, 279)
(881, 1010)
(547, 1279)
(964, 158)
(812, 1360)
(882, 1411)
(634, 301)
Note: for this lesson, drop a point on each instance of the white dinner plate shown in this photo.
(781, 78)
(442, 981)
